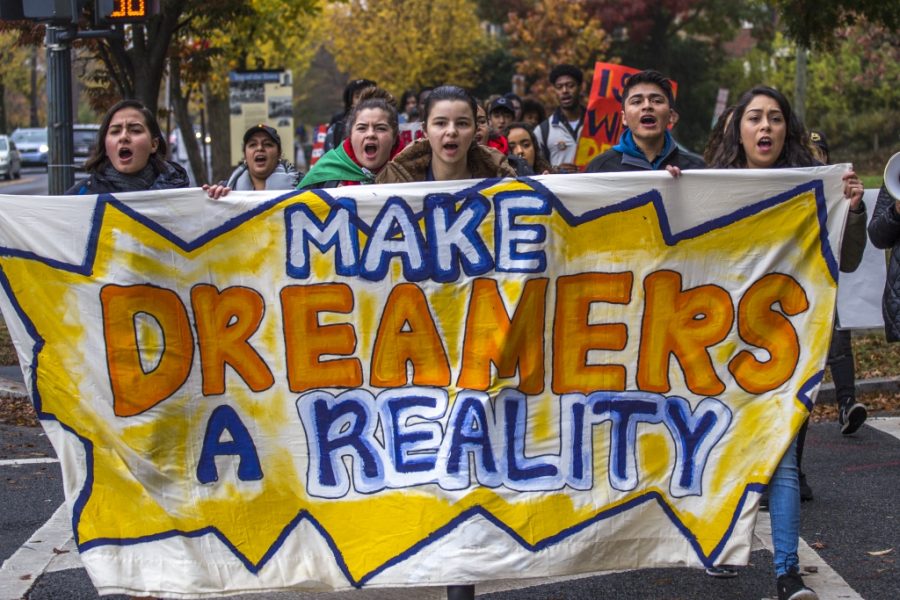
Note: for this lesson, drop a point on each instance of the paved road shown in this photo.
(853, 520)
(32, 183)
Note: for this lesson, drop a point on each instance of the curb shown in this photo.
(15, 390)
(863, 386)
(12, 390)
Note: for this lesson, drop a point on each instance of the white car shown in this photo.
(10, 161)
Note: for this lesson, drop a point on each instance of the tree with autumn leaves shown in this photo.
(407, 44)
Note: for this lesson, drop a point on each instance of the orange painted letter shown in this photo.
(574, 336)
(135, 390)
(761, 325)
(683, 323)
(491, 337)
(407, 332)
(306, 341)
(225, 321)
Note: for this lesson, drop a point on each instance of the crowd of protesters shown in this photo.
(508, 136)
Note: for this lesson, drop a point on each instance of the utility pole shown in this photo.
(60, 174)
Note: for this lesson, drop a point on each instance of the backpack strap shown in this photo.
(545, 137)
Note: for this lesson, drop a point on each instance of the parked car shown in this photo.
(10, 161)
(32, 144)
(83, 138)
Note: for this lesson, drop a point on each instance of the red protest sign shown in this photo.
(318, 147)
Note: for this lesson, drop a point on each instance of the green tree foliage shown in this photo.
(685, 40)
(408, 43)
(853, 92)
(813, 22)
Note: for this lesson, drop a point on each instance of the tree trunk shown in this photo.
(217, 111)
(183, 119)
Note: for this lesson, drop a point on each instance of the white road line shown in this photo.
(20, 570)
(825, 580)
(16, 462)
(889, 425)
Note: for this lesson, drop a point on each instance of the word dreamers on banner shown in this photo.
(408, 348)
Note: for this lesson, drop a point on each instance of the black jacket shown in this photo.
(613, 161)
(884, 231)
(174, 176)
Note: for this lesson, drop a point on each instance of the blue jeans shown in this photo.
(784, 510)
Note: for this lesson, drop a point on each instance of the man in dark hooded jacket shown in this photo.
(884, 231)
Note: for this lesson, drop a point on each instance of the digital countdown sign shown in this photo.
(125, 11)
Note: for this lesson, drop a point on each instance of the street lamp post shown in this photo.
(60, 174)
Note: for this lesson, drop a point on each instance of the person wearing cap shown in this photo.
(500, 115)
(263, 168)
(646, 144)
(558, 135)
(516, 104)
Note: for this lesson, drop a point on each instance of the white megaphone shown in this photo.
(892, 176)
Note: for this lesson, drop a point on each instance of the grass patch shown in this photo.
(871, 182)
(874, 356)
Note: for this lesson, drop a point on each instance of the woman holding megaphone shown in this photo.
(884, 231)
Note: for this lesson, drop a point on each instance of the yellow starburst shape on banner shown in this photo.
(144, 461)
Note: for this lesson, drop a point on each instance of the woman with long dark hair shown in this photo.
(523, 144)
(764, 133)
(129, 155)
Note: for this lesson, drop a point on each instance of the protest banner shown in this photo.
(421, 384)
(603, 117)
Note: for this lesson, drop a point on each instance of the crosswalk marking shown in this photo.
(18, 462)
(825, 580)
(889, 425)
(20, 571)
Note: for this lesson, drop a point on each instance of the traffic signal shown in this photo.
(55, 11)
(108, 12)
(11, 10)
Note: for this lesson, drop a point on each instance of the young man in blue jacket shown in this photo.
(646, 144)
